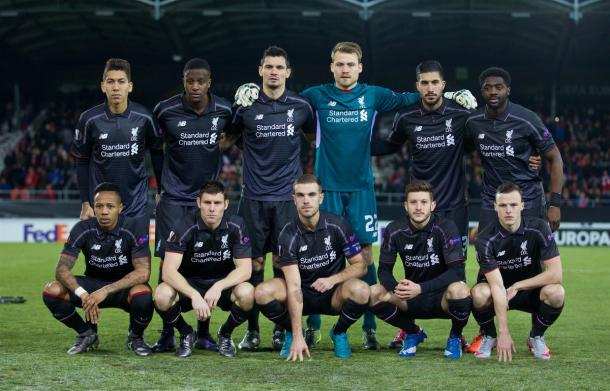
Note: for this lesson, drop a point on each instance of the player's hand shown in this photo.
(323, 284)
(297, 348)
(407, 290)
(246, 94)
(91, 304)
(505, 347)
(553, 215)
(212, 296)
(86, 211)
(463, 98)
(157, 199)
(535, 162)
(202, 310)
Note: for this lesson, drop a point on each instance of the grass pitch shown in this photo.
(33, 345)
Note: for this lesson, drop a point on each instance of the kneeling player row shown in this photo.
(208, 262)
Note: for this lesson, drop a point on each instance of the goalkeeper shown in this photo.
(346, 113)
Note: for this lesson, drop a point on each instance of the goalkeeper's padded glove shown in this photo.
(463, 98)
(246, 94)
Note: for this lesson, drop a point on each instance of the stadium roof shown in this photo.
(550, 37)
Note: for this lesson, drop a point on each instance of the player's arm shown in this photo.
(454, 273)
(357, 268)
(294, 300)
(553, 157)
(63, 272)
(227, 140)
(505, 346)
(82, 176)
(551, 275)
(241, 273)
(172, 276)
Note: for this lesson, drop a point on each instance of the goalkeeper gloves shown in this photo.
(463, 98)
(246, 94)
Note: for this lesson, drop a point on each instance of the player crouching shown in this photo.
(430, 248)
(207, 263)
(313, 249)
(117, 259)
(511, 253)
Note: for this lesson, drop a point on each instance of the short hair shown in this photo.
(508, 187)
(275, 51)
(429, 66)
(419, 186)
(306, 179)
(213, 187)
(107, 186)
(347, 47)
(196, 63)
(117, 64)
(495, 72)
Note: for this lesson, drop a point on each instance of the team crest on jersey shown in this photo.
(117, 245)
(430, 243)
(448, 125)
(290, 115)
(327, 243)
(214, 123)
(509, 136)
(524, 247)
(361, 102)
(225, 241)
(418, 128)
(134, 133)
(332, 103)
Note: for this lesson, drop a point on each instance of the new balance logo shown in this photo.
(96, 247)
(258, 117)
(181, 124)
(409, 246)
(303, 248)
(103, 136)
(198, 245)
(501, 253)
(332, 103)
(481, 136)
(418, 128)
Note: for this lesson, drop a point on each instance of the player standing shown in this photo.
(191, 124)
(110, 141)
(520, 268)
(271, 131)
(117, 269)
(506, 135)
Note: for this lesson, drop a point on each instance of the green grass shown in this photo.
(33, 345)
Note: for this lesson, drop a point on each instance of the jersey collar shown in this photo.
(504, 232)
(188, 108)
(265, 98)
(320, 226)
(202, 227)
(502, 117)
(426, 228)
(115, 231)
(440, 110)
(125, 113)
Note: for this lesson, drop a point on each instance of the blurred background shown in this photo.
(53, 53)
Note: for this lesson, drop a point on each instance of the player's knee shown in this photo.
(481, 296)
(457, 290)
(359, 291)
(378, 294)
(263, 293)
(244, 294)
(553, 295)
(164, 296)
(54, 288)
